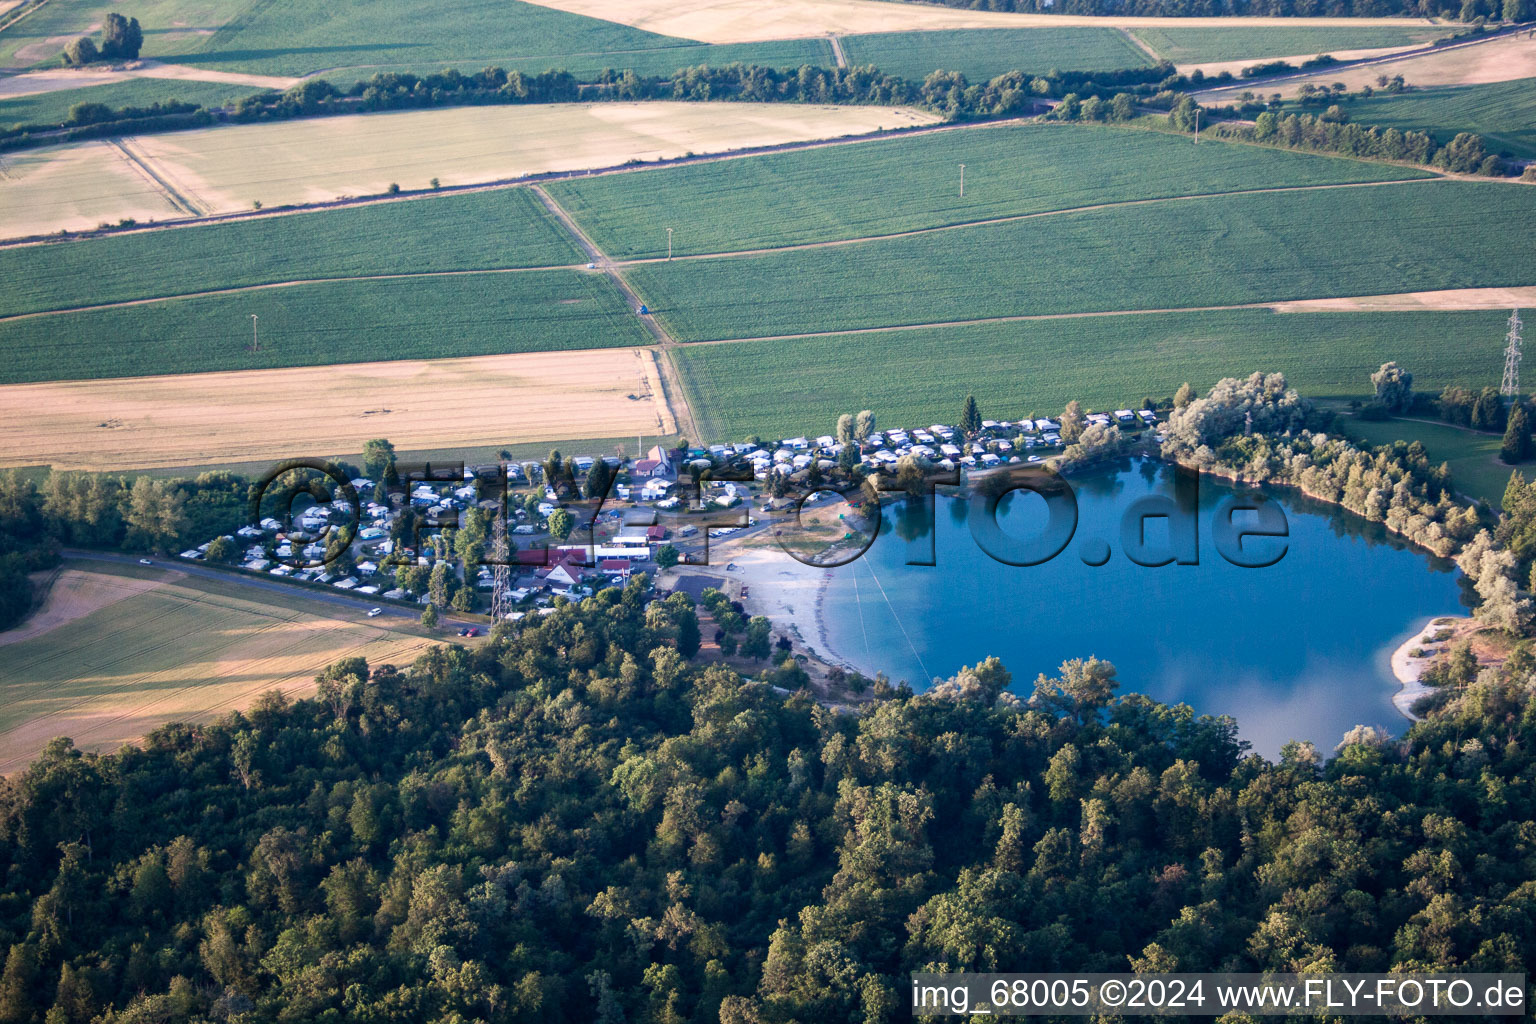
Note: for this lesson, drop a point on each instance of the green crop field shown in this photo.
(1223, 250)
(336, 322)
(783, 388)
(51, 108)
(296, 37)
(1201, 45)
(906, 183)
(1503, 113)
(661, 60)
(477, 231)
(982, 54)
(171, 27)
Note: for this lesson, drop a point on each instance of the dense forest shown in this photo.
(573, 822)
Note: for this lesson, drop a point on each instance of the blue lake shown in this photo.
(1296, 650)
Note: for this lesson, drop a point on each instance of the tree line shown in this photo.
(92, 510)
(945, 92)
(1465, 10)
(1331, 133)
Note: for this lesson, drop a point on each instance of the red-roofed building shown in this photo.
(656, 533)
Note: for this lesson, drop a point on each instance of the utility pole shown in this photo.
(255, 342)
(669, 245)
(962, 181)
(501, 570)
(1510, 386)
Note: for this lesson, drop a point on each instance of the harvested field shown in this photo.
(224, 169)
(32, 83)
(195, 419)
(75, 187)
(169, 648)
(1499, 60)
(74, 595)
(740, 21)
(1451, 299)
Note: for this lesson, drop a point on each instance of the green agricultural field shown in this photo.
(1503, 113)
(783, 388)
(171, 27)
(477, 231)
(296, 37)
(663, 60)
(1203, 45)
(1223, 250)
(51, 108)
(1473, 456)
(336, 322)
(902, 184)
(983, 54)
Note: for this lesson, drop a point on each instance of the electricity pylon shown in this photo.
(1511, 383)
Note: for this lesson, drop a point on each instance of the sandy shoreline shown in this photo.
(786, 591)
(1409, 669)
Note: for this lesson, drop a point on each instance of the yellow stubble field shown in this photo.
(116, 652)
(254, 415)
(748, 21)
(231, 168)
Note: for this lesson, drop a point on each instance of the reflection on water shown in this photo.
(1295, 650)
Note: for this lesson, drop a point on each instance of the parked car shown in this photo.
(145, 561)
(375, 611)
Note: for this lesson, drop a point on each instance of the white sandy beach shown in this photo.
(786, 591)
(1408, 669)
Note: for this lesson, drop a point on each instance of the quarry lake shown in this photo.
(1296, 650)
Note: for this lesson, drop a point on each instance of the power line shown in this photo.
(1510, 386)
(501, 572)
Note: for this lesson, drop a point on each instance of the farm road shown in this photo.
(672, 394)
(233, 579)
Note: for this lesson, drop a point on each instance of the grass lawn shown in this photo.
(904, 183)
(481, 230)
(1503, 113)
(336, 322)
(1208, 45)
(1224, 250)
(1473, 456)
(983, 54)
(784, 388)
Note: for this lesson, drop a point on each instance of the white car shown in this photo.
(375, 611)
(145, 561)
